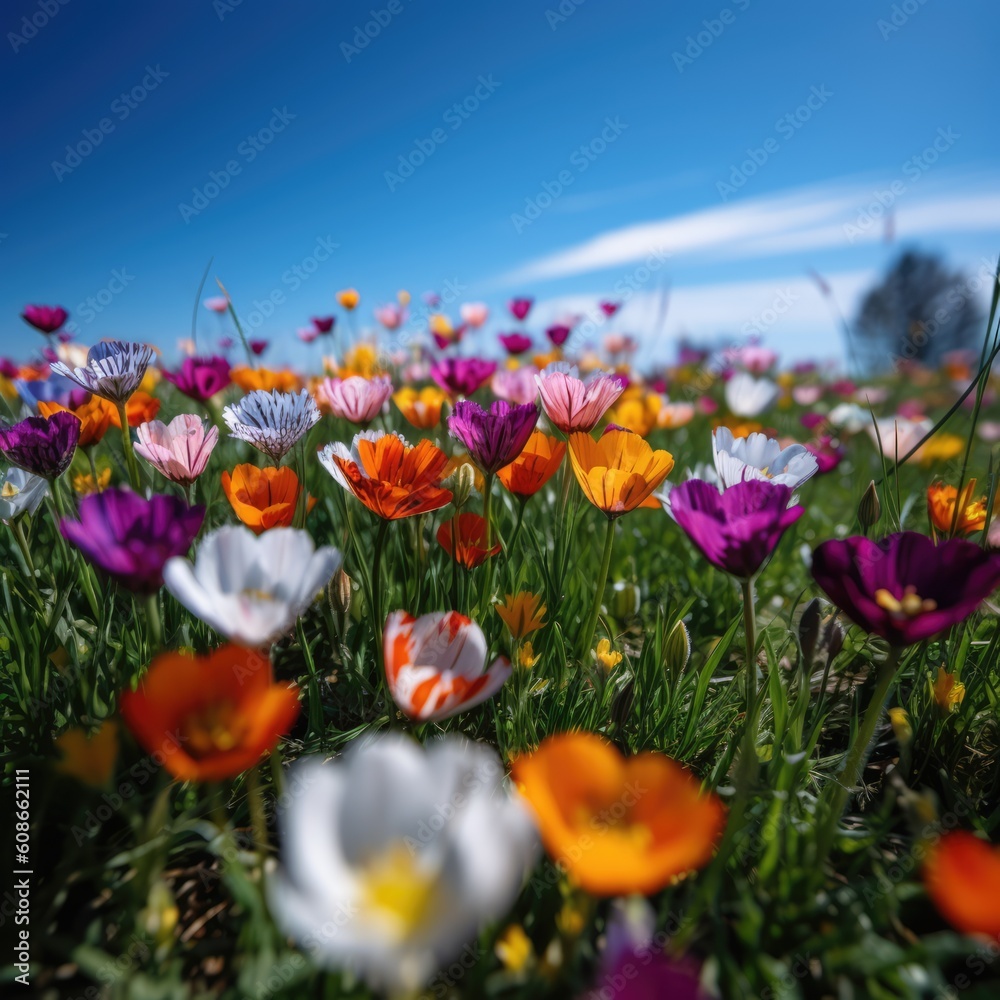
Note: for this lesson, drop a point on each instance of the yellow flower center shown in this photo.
(910, 605)
(394, 885)
(9, 490)
(256, 595)
(213, 729)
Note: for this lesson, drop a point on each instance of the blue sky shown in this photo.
(569, 151)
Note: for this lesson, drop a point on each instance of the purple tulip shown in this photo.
(558, 334)
(610, 308)
(324, 324)
(905, 588)
(258, 347)
(43, 446)
(131, 538)
(520, 307)
(200, 378)
(737, 529)
(462, 376)
(515, 343)
(45, 319)
(493, 437)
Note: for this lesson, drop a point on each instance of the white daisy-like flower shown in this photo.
(272, 421)
(114, 369)
(759, 457)
(21, 493)
(395, 855)
(747, 396)
(251, 588)
(850, 418)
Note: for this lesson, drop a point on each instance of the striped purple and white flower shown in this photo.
(272, 421)
(114, 369)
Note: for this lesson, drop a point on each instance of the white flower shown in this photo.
(396, 854)
(251, 588)
(21, 493)
(897, 436)
(114, 369)
(747, 396)
(850, 417)
(760, 457)
(272, 421)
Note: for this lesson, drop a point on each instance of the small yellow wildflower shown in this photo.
(89, 759)
(514, 949)
(607, 658)
(948, 691)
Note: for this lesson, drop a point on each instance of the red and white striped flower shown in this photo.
(436, 664)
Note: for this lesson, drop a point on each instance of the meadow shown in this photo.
(500, 668)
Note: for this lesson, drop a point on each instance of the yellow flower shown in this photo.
(514, 949)
(607, 657)
(348, 298)
(572, 918)
(84, 483)
(901, 725)
(941, 501)
(90, 760)
(948, 691)
(941, 448)
(636, 410)
(526, 656)
(361, 359)
(521, 613)
(420, 407)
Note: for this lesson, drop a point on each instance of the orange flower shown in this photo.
(96, 416)
(249, 379)
(469, 549)
(84, 483)
(619, 825)
(941, 501)
(140, 409)
(636, 410)
(264, 498)
(962, 874)
(521, 613)
(619, 471)
(210, 717)
(741, 428)
(349, 298)
(420, 407)
(389, 477)
(535, 466)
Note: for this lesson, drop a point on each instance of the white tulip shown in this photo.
(395, 855)
(21, 493)
(251, 589)
(759, 457)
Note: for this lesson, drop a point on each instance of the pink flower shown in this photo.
(610, 308)
(218, 304)
(572, 404)
(179, 451)
(258, 346)
(307, 334)
(807, 395)
(515, 343)
(520, 307)
(474, 314)
(516, 385)
(357, 399)
(45, 319)
(390, 316)
(558, 333)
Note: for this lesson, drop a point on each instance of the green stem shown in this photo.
(258, 817)
(130, 463)
(750, 637)
(18, 530)
(590, 629)
(484, 597)
(857, 756)
(153, 623)
(377, 619)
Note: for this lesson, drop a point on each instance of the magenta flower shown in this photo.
(43, 446)
(572, 404)
(324, 324)
(520, 307)
(610, 308)
(200, 378)
(462, 376)
(179, 451)
(905, 588)
(735, 530)
(131, 538)
(515, 343)
(258, 347)
(8, 369)
(558, 333)
(45, 319)
(357, 399)
(827, 452)
(493, 437)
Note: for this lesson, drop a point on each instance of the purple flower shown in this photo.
(520, 307)
(258, 346)
(324, 324)
(43, 446)
(515, 343)
(610, 308)
(200, 378)
(8, 369)
(558, 334)
(905, 588)
(131, 538)
(46, 319)
(462, 376)
(737, 529)
(114, 369)
(493, 437)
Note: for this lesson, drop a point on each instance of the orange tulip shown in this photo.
(264, 498)
(210, 717)
(535, 466)
(96, 416)
(941, 501)
(420, 407)
(618, 825)
(962, 874)
(249, 379)
(619, 471)
(469, 549)
(391, 478)
(140, 409)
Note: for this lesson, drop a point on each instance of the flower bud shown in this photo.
(462, 483)
(809, 629)
(869, 509)
(676, 650)
(339, 591)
